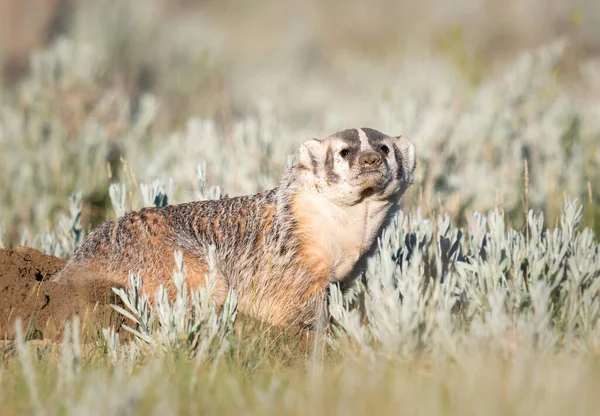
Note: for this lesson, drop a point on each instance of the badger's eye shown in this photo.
(385, 149)
(344, 152)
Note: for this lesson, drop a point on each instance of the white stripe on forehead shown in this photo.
(364, 140)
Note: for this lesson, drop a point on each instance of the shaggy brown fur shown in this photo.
(280, 249)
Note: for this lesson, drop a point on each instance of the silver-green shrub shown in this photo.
(472, 150)
(188, 324)
(432, 287)
(63, 132)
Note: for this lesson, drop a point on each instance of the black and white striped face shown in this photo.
(358, 164)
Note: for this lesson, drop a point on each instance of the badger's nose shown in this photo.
(369, 159)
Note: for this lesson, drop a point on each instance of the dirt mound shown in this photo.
(44, 306)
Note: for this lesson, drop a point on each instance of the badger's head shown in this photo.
(357, 165)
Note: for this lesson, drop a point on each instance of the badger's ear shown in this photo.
(310, 155)
(405, 157)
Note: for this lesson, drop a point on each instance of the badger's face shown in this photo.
(355, 165)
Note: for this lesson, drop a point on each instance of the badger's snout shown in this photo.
(369, 160)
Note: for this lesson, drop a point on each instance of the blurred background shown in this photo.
(502, 98)
(212, 58)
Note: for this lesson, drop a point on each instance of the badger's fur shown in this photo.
(278, 250)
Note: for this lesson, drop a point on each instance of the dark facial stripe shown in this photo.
(314, 164)
(398, 157)
(349, 135)
(353, 156)
(330, 174)
(374, 135)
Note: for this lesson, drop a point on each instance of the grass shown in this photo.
(258, 378)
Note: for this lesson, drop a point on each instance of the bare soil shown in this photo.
(43, 305)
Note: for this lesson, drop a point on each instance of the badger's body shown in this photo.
(278, 250)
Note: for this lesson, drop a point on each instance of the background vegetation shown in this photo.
(125, 100)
